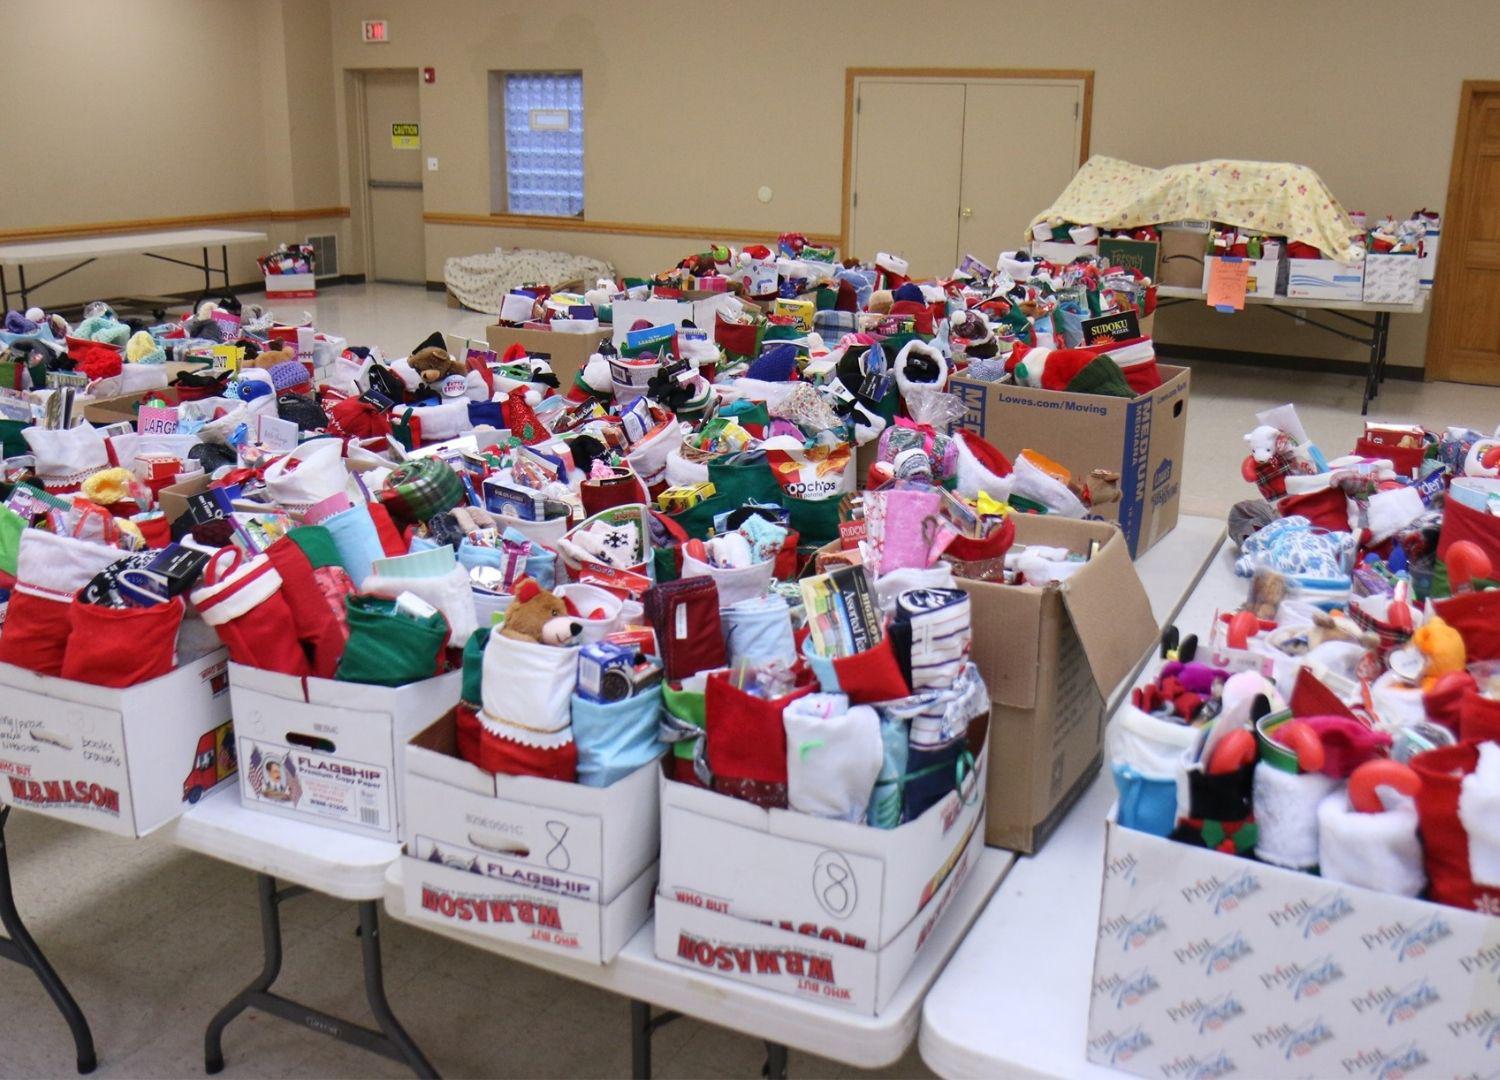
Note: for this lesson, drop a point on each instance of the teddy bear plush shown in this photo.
(433, 364)
(540, 615)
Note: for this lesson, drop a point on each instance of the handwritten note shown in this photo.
(1228, 278)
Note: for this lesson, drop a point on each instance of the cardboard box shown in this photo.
(1140, 438)
(567, 353)
(1058, 251)
(1266, 277)
(1184, 244)
(1392, 279)
(1427, 264)
(1142, 255)
(1324, 279)
(1051, 657)
(824, 910)
(291, 286)
(328, 752)
(1209, 964)
(121, 761)
(564, 868)
(112, 410)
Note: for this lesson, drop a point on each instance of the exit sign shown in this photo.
(375, 31)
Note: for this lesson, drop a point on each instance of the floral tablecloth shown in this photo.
(1271, 196)
(481, 281)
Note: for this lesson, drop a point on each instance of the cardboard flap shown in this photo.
(1111, 613)
(1007, 630)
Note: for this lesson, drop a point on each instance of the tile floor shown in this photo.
(153, 939)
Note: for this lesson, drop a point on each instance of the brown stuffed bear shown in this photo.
(539, 615)
(266, 359)
(433, 364)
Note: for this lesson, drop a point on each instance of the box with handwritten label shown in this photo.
(564, 868)
(1266, 277)
(824, 910)
(1210, 965)
(124, 761)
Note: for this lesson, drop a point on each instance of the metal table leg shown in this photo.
(642, 1026)
(19, 947)
(390, 1041)
(775, 1067)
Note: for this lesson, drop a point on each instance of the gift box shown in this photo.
(818, 909)
(125, 761)
(563, 868)
(327, 752)
(1392, 278)
(1050, 657)
(1208, 964)
(291, 286)
(1141, 439)
(1324, 279)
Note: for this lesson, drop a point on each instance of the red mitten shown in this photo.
(248, 610)
(50, 569)
(746, 742)
(122, 646)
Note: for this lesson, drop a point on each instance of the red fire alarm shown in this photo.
(429, 75)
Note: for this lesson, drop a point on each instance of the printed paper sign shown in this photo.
(405, 137)
(229, 356)
(352, 792)
(157, 420)
(1228, 278)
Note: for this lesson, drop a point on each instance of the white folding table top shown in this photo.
(1184, 292)
(865, 1041)
(1014, 1001)
(93, 247)
(326, 860)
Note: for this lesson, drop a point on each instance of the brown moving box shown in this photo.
(1183, 246)
(567, 353)
(1140, 438)
(1051, 657)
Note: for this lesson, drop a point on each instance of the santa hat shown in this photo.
(980, 466)
(519, 411)
(919, 364)
(1087, 370)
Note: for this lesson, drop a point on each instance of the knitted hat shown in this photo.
(143, 349)
(94, 359)
(1086, 370)
(776, 364)
(290, 375)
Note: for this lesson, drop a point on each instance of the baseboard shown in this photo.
(436, 286)
(1358, 368)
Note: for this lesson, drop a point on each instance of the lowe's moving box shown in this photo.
(1051, 658)
(329, 752)
(123, 761)
(566, 352)
(1140, 438)
(827, 911)
(1209, 965)
(562, 868)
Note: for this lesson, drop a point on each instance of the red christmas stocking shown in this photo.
(122, 646)
(321, 631)
(50, 569)
(746, 742)
(248, 610)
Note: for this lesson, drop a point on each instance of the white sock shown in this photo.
(833, 756)
(1286, 815)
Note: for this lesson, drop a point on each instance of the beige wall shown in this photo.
(689, 109)
(164, 109)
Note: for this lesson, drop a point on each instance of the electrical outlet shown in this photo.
(432, 164)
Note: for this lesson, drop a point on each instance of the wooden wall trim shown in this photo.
(615, 228)
(104, 228)
(1086, 119)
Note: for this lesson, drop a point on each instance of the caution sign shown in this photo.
(405, 137)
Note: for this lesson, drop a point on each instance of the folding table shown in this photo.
(1015, 999)
(316, 859)
(87, 249)
(1294, 307)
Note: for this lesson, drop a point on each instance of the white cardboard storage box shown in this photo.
(121, 761)
(1209, 965)
(328, 752)
(827, 910)
(1324, 279)
(1265, 277)
(1392, 279)
(565, 868)
(1427, 264)
(291, 286)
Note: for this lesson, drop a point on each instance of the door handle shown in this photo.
(967, 211)
(406, 185)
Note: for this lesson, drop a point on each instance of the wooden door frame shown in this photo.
(362, 223)
(1454, 224)
(1086, 117)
